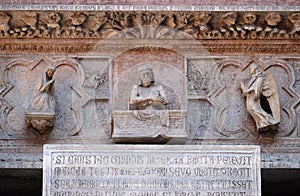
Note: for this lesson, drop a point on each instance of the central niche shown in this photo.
(159, 116)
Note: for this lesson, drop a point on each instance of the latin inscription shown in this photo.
(152, 174)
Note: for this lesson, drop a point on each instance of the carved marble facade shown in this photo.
(150, 25)
(199, 57)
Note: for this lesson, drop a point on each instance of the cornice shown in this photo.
(52, 7)
(198, 25)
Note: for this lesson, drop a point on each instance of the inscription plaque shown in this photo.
(151, 170)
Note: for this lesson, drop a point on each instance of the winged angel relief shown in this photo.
(262, 99)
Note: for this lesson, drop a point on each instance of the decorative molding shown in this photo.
(200, 25)
(11, 47)
(119, 7)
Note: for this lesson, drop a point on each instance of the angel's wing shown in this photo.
(269, 90)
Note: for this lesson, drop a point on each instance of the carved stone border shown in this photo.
(146, 7)
(144, 24)
(188, 47)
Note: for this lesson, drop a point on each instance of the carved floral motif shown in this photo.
(295, 19)
(4, 26)
(149, 25)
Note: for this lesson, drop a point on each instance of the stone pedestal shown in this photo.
(149, 126)
(41, 121)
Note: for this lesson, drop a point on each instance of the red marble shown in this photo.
(157, 2)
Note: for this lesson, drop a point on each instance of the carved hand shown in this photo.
(160, 99)
(50, 82)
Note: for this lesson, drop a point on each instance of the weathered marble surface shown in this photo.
(151, 170)
(215, 107)
(90, 69)
(148, 5)
(155, 24)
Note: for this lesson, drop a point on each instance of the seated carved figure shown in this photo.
(261, 99)
(147, 95)
(150, 117)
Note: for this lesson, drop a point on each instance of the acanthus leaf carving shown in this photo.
(295, 19)
(4, 26)
(150, 25)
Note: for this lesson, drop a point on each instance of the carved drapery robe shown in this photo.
(42, 98)
(141, 100)
(262, 101)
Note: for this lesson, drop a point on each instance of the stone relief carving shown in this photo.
(135, 24)
(262, 99)
(125, 75)
(94, 22)
(295, 19)
(147, 95)
(230, 102)
(95, 98)
(97, 82)
(297, 76)
(153, 106)
(36, 104)
(248, 27)
(41, 110)
(4, 26)
(197, 81)
(30, 19)
(222, 103)
(42, 99)
(50, 25)
(196, 25)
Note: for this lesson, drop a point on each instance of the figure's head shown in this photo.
(146, 75)
(50, 71)
(254, 70)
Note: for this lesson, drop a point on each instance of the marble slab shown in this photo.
(151, 170)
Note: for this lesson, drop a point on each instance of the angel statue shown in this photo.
(262, 99)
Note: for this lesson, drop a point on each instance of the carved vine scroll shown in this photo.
(150, 25)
